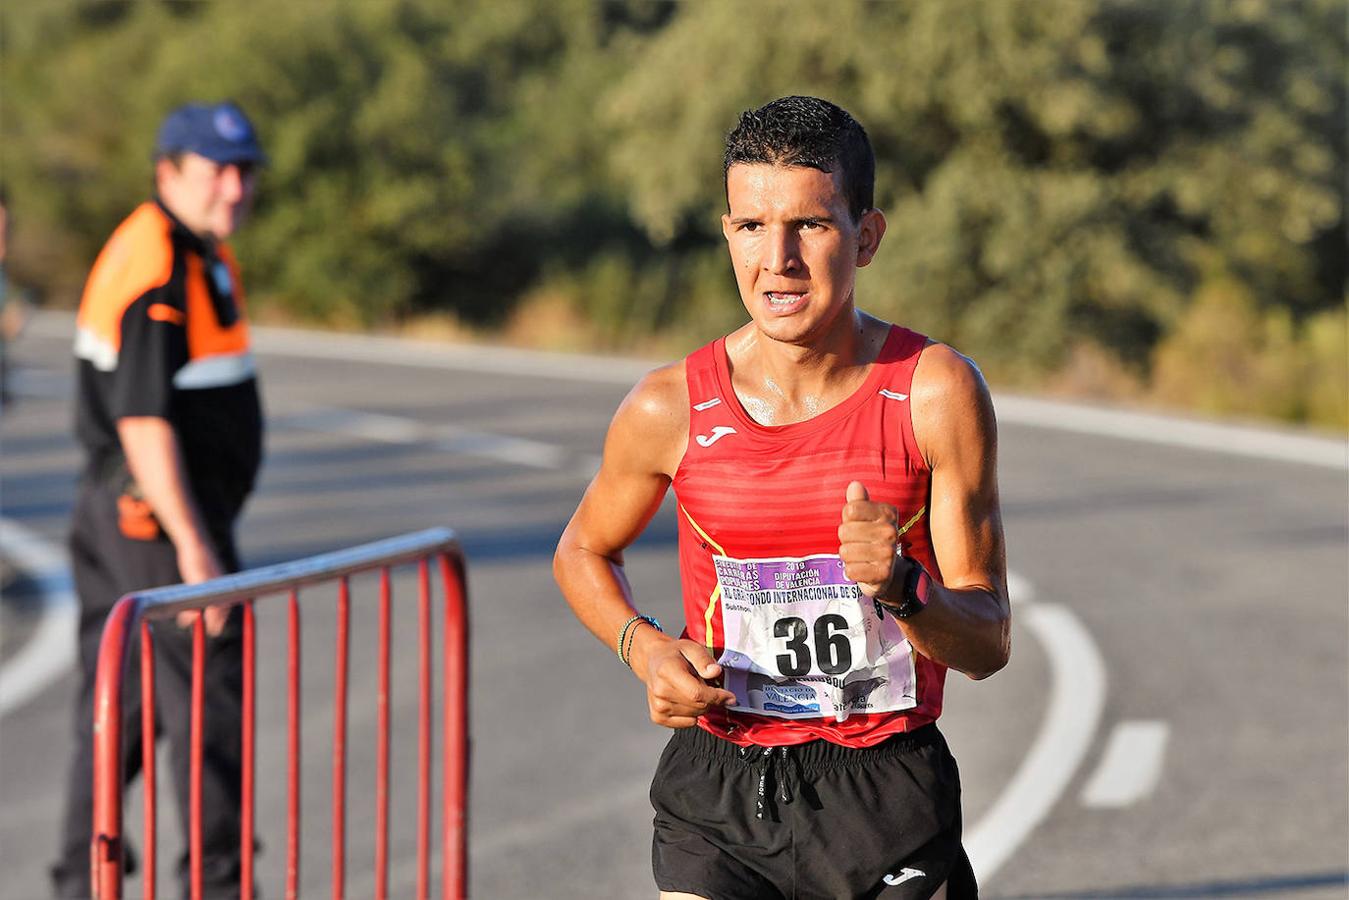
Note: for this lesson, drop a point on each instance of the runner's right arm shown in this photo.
(641, 452)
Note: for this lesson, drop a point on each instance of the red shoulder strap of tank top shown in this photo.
(700, 371)
(900, 357)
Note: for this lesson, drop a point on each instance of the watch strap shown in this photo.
(915, 585)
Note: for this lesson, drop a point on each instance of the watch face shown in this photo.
(900, 611)
(914, 594)
(908, 609)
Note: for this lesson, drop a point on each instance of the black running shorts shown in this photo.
(816, 820)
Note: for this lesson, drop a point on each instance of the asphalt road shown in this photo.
(1174, 722)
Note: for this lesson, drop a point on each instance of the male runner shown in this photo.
(840, 546)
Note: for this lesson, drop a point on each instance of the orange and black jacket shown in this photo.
(161, 332)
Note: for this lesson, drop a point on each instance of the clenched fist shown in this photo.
(679, 688)
(868, 540)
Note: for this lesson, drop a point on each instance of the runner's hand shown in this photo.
(677, 688)
(868, 540)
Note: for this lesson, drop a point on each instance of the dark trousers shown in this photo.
(107, 565)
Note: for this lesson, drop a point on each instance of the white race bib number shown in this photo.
(802, 641)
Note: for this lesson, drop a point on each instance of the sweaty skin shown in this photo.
(795, 249)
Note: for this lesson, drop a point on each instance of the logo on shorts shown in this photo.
(904, 875)
(718, 432)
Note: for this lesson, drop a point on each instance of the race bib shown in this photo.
(803, 642)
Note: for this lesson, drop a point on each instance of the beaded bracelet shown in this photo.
(623, 635)
(628, 635)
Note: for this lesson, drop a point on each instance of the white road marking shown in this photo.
(491, 359)
(50, 650)
(1174, 431)
(1019, 590)
(1075, 707)
(1076, 703)
(1130, 767)
(1078, 690)
(1077, 697)
(398, 430)
(1283, 445)
(1261, 443)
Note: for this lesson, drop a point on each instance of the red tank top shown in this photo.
(759, 509)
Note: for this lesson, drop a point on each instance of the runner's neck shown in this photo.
(781, 384)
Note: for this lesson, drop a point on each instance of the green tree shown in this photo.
(1062, 178)
(1052, 172)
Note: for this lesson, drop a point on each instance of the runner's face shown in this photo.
(208, 197)
(795, 247)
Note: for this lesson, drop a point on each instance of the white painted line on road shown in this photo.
(1075, 704)
(1074, 711)
(398, 430)
(50, 650)
(1173, 431)
(1282, 445)
(368, 426)
(490, 359)
(1130, 767)
(38, 384)
(1078, 673)
(1019, 589)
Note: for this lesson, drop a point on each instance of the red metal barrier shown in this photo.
(134, 613)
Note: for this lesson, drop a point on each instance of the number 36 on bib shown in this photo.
(803, 642)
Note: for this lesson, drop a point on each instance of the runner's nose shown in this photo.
(781, 255)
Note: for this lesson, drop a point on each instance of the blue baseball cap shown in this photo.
(219, 132)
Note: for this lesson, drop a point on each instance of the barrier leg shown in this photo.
(194, 776)
(106, 845)
(455, 751)
(293, 753)
(247, 737)
(382, 745)
(423, 729)
(340, 741)
(148, 757)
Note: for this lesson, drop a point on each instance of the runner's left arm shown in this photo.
(966, 623)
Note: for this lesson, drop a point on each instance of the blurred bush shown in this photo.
(1115, 197)
(1226, 356)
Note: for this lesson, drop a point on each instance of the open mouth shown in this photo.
(783, 301)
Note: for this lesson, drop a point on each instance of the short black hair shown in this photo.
(809, 132)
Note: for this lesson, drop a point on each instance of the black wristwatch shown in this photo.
(913, 593)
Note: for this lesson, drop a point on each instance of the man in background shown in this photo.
(168, 415)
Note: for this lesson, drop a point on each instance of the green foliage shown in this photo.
(1049, 170)
(1149, 184)
(1226, 356)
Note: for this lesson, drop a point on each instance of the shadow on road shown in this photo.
(1246, 887)
(483, 545)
